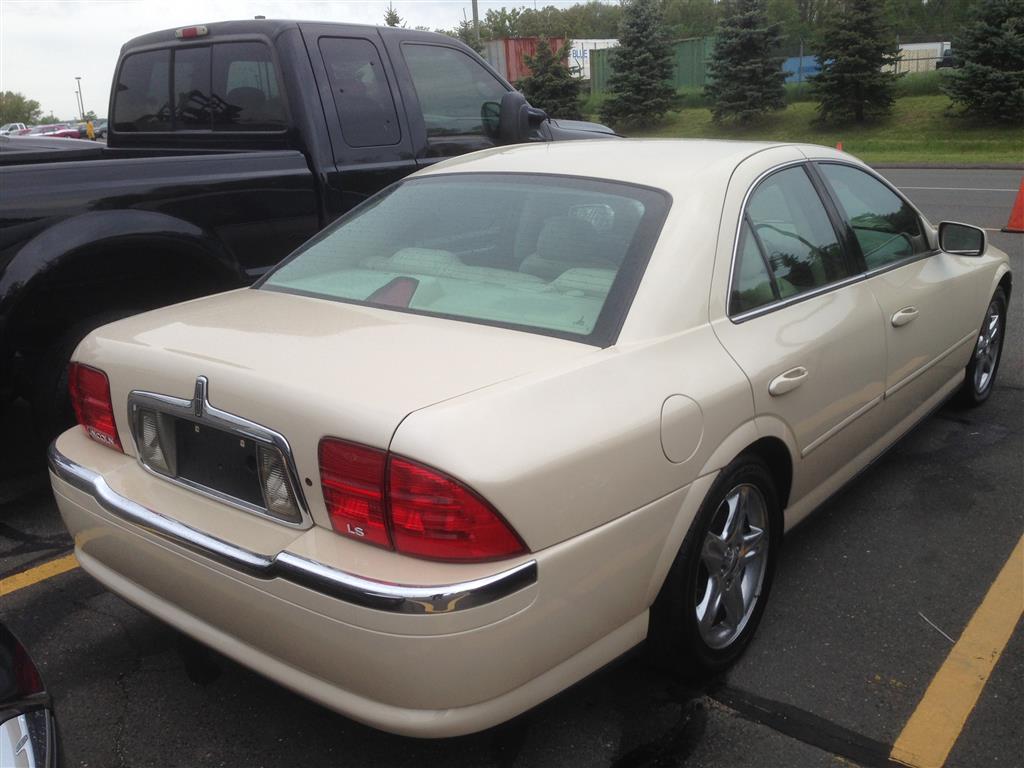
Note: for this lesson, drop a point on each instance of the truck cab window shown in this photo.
(192, 105)
(362, 95)
(141, 102)
(245, 93)
(452, 88)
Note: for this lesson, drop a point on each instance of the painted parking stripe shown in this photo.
(936, 724)
(41, 572)
(961, 189)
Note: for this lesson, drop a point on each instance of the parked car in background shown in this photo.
(12, 129)
(99, 128)
(28, 731)
(55, 130)
(518, 413)
(216, 168)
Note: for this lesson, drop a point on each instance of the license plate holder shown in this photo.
(218, 460)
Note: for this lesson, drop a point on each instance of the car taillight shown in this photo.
(435, 516)
(403, 505)
(352, 478)
(26, 677)
(90, 396)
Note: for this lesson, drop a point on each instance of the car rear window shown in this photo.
(549, 254)
(220, 87)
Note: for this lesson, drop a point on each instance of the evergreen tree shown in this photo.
(854, 46)
(391, 17)
(746, 74)
(550, 85)
(640, 85)
(991, 81)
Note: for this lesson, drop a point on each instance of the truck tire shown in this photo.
(51, 406)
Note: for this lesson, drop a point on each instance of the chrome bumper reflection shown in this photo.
(370, 593)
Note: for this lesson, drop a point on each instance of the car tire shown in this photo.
(985, 357)
(51, 405)
(701, 621)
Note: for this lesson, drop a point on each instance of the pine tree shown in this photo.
(991, 81)
(391, 17)
(640, 85)
(746, 73)
(550, 85)
(854, 46)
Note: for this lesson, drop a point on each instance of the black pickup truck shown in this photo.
(229, 145)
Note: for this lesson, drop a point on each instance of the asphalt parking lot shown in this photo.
(871, 594)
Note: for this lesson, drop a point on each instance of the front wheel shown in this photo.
(715, 593)
(988, 349)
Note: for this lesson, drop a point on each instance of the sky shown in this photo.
(45, 45)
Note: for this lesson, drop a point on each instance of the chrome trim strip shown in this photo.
(928, 366)
(816, 443)
(369, 593)
(200, 410)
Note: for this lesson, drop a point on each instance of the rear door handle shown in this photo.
(788, 381)
(904, 316)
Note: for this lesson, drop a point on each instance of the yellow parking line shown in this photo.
(934, 727)
(42, 572)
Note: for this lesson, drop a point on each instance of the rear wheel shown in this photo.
(988, 349)
(715, 593)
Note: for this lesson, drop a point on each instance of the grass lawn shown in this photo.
(918, 131)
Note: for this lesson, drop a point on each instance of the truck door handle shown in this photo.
(788, 381)
(904, 316)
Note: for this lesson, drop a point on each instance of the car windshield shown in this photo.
(548, 254)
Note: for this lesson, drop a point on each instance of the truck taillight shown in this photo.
(406, 506)
(90, 396)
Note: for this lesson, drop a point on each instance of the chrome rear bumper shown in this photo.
(369, 593)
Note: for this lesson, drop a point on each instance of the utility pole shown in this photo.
(81, 103)
(476, 21)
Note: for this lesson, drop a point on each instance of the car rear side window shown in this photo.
(224, 87)
(887, 228)
(143, 92)
(362, 95)
(789, 224)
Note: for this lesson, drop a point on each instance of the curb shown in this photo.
(953, 166)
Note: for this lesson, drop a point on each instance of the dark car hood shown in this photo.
(578, 129)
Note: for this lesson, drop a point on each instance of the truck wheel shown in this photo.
(51, 406)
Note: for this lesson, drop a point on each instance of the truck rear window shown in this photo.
(220, 87)
(547, 254)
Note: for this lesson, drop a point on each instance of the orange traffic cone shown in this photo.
(839, 146)
(1016, 222)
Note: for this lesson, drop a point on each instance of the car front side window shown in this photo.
(887, 228)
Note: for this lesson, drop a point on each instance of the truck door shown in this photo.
(365, 120)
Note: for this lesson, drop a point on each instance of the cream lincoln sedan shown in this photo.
(517, 414)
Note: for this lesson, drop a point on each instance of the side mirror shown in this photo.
(517, 119)
(961, 239)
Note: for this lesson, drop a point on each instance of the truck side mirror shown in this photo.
(517, 119)
(961, 239)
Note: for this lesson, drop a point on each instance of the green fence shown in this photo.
(689, 61)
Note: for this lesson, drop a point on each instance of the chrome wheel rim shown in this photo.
(986, 351)
(733, 561)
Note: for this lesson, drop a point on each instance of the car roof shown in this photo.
(674, 165)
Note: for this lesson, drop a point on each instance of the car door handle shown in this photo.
(788, 381)
(904, 316)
